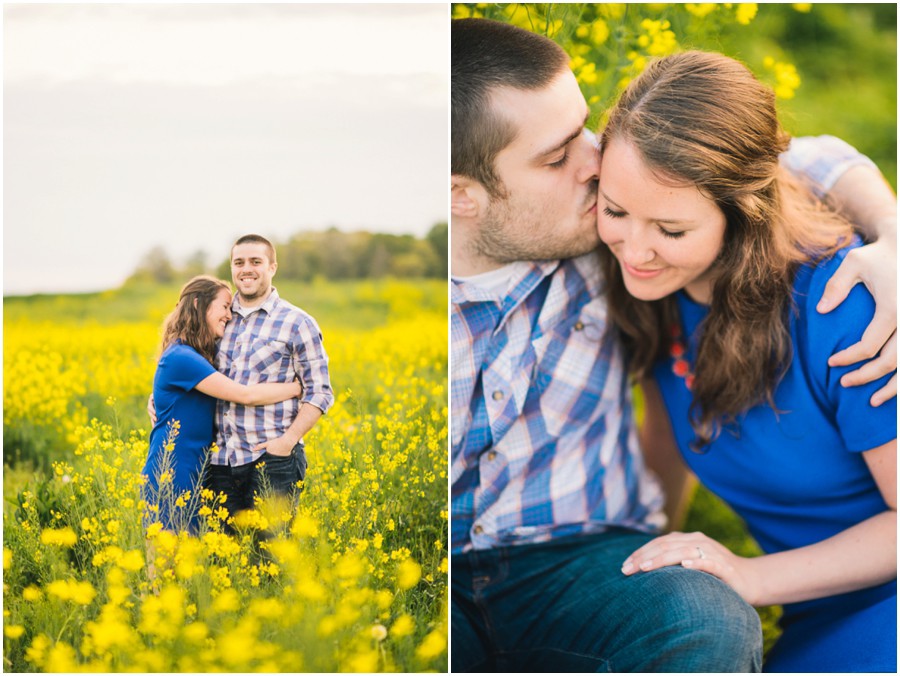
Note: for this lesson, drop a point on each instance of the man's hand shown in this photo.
(281, 446)
(151, 410)
(875, 265)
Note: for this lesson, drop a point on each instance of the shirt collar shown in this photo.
(267, 306)
(522, 283)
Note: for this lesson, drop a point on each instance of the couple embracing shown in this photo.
(690, 252)
(240, 380)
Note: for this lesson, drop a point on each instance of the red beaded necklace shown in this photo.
(678, 351)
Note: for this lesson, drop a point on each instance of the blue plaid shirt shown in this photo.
(274, 342)
(543, 439)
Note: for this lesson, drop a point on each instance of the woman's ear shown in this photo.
(468, 198)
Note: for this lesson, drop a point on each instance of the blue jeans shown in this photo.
(566, 606)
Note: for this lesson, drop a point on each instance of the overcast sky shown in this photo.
(184, 126)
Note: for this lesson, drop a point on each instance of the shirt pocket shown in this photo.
(268, 359)
(575, 361)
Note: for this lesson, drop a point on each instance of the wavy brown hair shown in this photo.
(187, 322)
(703, 119)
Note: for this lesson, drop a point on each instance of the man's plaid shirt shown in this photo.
(543, 440)
(543, 443)
(275, 342)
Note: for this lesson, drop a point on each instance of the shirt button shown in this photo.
(498, 395)
(492, 455)
(478, 530)
(578, 326)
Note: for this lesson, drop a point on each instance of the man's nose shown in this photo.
(589, 158)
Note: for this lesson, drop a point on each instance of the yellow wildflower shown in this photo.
(408, 574)
(196, 632)
(434, 644)
(80, 592)
(132, 560)
(365, 662)
(745, 13)
(349, 566)
(13, 631)
(62, 537)
(37, 651)
(227, 601)
(32, 593)
(403, 626)
(61, 659)
(305, 525)
(700, 9)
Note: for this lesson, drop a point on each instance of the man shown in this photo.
(267, 340)
(549, 491)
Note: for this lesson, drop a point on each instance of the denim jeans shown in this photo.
(242, 483)
(566, 606)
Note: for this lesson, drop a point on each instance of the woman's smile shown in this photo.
(641, 273)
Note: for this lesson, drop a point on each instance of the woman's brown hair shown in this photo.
(703, 119)
(187, 322)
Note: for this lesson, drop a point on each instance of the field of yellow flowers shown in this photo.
(354, 580)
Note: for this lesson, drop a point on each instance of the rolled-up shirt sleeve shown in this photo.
(821, 160)
(310, 363)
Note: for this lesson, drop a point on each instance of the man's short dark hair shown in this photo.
(256, 239)
(485, 55)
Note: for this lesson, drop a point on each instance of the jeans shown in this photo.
(242, 483)
(566, 606)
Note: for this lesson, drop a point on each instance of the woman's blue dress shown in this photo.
(178, 372)
(797, 477)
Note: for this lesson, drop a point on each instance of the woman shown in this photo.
(715, 260)
(185, 389)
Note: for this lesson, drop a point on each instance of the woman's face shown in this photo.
(219, 313)
(665, 238)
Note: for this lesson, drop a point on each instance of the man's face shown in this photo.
(252, 270)
(549, 173)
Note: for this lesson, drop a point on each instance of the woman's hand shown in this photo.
(699, 552)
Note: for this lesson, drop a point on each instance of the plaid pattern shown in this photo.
(272, 343)
(542, 432)
(543, 440)
(822, 160)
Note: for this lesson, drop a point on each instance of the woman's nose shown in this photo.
(637, 250)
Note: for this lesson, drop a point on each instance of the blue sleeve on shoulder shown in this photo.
(184, 367)
(862, 426)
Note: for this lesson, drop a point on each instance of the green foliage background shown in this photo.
(330, 254)
(845, 56)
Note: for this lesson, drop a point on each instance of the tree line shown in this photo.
(332, 254)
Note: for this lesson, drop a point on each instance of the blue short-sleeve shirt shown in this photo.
(795, 476)
(178, 372)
